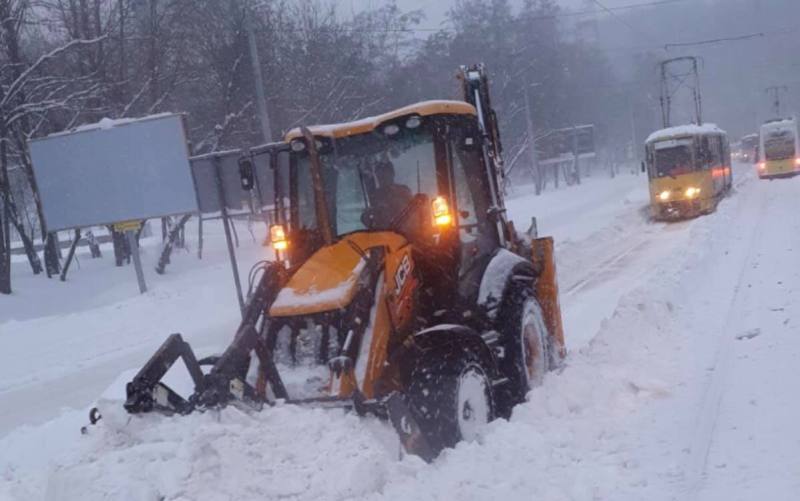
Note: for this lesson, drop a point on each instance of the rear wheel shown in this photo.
(450, 395)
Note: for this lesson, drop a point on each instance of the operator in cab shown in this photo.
(388, 199)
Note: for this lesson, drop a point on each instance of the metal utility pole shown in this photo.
(776, 97)
(258, 79)
(577, 164)
(534, 157)
(634, 141)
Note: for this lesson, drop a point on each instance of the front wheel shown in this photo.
(526, 348)
(451, 395)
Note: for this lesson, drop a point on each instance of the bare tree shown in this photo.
(29, 94)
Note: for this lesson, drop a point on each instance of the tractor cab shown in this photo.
(418, 172)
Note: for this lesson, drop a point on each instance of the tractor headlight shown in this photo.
(692, 192)
(441, 212)
(664, 196)
(277, 236)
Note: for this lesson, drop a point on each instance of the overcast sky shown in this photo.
(435, 9)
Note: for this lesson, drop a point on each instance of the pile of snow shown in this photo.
(582, 425)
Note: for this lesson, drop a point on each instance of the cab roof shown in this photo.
(364, 125)
(680, 131)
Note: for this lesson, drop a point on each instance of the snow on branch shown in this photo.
(135, 98)
(43, 106)
(17, 85)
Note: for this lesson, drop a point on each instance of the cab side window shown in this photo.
(472, 199)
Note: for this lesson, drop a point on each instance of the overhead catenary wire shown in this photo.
(542, 17)
(701, 43)
(715, 40)
(622, 21)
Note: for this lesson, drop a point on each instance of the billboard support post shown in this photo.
(223, 208)
(70, 255)
(130, 229)
(130, 234)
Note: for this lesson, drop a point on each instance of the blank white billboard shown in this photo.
(114, 171)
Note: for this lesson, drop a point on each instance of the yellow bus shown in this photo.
(689, 170)
(778, 151)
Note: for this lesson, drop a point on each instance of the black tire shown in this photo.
(526, 348)
(450, 395)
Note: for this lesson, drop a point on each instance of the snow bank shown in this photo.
(577, 438)
(282, 452)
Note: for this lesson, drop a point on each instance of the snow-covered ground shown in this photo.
(678, 385)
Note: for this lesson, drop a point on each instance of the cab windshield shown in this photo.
(369, 180)
(673, 161)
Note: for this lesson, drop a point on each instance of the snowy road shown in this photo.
(747, 434)
(683, 352)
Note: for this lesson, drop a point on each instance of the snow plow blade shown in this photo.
(544, 260)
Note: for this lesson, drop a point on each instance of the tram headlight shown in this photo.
(664, 196)
(692, 192)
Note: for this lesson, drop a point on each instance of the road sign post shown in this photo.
(130, 228)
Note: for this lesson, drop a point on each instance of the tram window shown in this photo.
(703, 153)
(674, 161)
(715, 152)
(779, 145)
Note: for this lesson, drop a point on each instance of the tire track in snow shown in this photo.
(707, 418)
(603, 269)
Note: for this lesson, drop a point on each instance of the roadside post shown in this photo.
(226, 224)
(71, 254)
(129, 229)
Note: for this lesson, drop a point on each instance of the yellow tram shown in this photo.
(778, 149)
(689, 170)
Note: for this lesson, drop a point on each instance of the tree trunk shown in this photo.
(52, 264)
(122, 253)
(5, 230)
(5, 242)
(27, 244)
(5, 257)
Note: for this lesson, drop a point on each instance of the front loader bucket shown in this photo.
(146, 392)
(547, 291)
(226, 380)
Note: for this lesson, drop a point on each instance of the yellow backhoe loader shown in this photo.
(392, 250)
